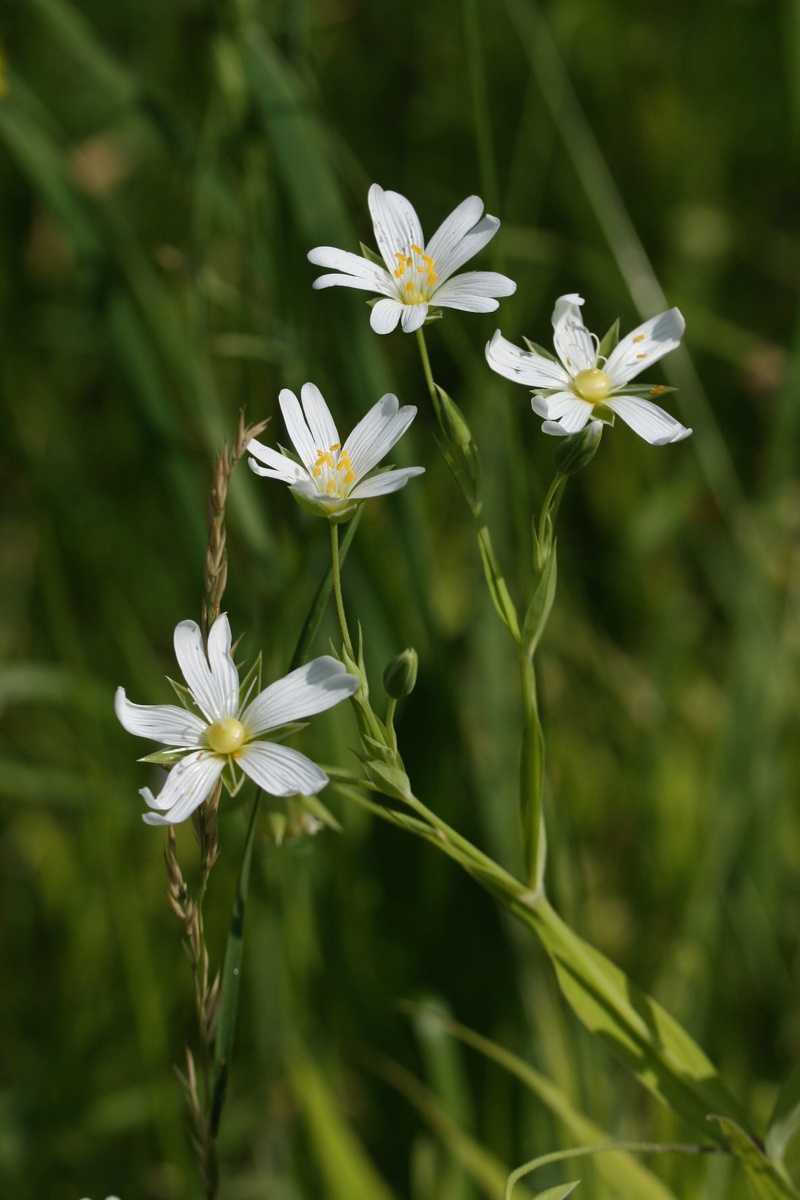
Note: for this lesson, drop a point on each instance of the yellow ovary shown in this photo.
(592, 385)
(226, 736)
(410, 267)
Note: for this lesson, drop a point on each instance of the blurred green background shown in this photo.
(164, 169)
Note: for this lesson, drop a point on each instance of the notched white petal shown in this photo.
(648, 420)
(165, 723)
(522, 366)
(310, 689)
(281, 771)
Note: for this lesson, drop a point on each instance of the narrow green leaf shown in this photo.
(229, 984)
(540, 605)
(763, 1176)
(501, 597)
(785, 1120)
(540, 350)
(629, 1177)
(557, 1193)
(346, 1170)
(184, 695)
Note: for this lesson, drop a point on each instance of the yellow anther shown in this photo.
(421, 268)
(226, 735)
(640, 338)
(641, 356)
(427, 258)
(410, 285)
(592, 385)
(656, 391)
(336, 446)
(317, 472)
(330, 485)
(343, 463)
(348, 479)
(432, 278)
(324, 459)
(417, 250)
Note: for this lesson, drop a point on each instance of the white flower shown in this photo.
(417, 275)
(332, 477)
(229, 727)
(570, 392)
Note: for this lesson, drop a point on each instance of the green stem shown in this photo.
(531, 777)
(390, 710)
(545, 1160)
(426, 366)
(337, 588)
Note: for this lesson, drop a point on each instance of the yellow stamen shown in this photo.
(592, 385)
(641, 356)
(348, 479)
(656, 391)
(640, 338)
(417, 250)
(410, 285)
(226, 735)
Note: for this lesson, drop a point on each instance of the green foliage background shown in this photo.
(164, 169)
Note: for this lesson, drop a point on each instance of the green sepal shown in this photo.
(320, 509)
(385, 752)
(540, 605)
(251, 682)
(647, 389)
(277, 826)
(286, 731)
(434, 314)
(765, 1178)
(372, 256)
(785, 1120)
(609, 342)
(184, 695)
(535, 348)
(607, 415)
(391, 780)
(165, 758)
(232, 780)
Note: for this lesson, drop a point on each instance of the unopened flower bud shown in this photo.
(400, 675)
(578, 449)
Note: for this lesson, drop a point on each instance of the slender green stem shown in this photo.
(602, 1148)
(337, 588)
(426, 366)
(531, 777)
(390, 710)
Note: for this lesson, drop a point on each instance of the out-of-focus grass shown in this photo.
(163, 173)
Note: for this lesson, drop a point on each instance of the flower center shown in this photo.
(225, 736)
(416, 275)
(333, 471)
(592, 385)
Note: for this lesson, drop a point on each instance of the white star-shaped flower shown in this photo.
(229, 729)
(571, 392)
(331, 478)
(417, 275)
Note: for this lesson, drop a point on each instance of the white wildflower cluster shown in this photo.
(222, 729)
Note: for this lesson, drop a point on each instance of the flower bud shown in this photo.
(400, 675)
(578, 449)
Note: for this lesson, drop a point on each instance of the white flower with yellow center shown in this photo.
(417, 275)
(230, 729)
(584, 384)
(332, 478)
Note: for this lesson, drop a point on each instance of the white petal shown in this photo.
(454, 229)
(297, 428)
(571, 412)
(319, 418)
(165, 723)
(212, 681)
(358, 272)
(385, 315)
(376, 433)
(387, 481)
(310, 689)
(554, 428)
(644, 346)
(475, 283)
(414, 317)
(474, 240)
(522, 366)
(278, 465)
(280, 770)
(648, 420)
(396, 224)
(187, 785)
(572, 339)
